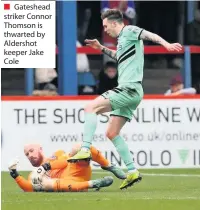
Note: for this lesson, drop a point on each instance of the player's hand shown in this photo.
(94, 43)
(12, 167)
(13, 164)
(174, 47)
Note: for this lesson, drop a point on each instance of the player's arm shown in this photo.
(21, 181)
(147, 35)
(55, 164)
(24, 184)
(111, 53)
(57, 161)
(94, 43)
(185, 91)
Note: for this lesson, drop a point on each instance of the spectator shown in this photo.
(193, 30)
(177, 87)
(49, 90)
(44, 76)
(108, 77)
(83, 28)
(193, 38)
(82, 61)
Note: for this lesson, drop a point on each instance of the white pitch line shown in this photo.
(149, 174)
(175, 175)
(102, 199)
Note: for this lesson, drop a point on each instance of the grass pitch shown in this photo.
(167, 189)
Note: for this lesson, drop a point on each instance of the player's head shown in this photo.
(112, 22)
(176, 83)
(34, 153)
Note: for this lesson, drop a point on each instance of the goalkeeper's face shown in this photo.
(34, 154)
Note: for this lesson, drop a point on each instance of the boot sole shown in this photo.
(75, 160)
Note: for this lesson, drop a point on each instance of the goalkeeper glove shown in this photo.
(12, 167)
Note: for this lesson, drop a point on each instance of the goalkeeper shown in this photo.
(57, 175)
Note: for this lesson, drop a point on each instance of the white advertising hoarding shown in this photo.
(162, 134)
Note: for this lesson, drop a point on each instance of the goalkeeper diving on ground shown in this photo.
(56, 174)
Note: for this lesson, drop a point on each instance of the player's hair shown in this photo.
(113, 14)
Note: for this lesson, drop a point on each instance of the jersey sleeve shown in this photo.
(24, 184)
(58, 164)
(134, 32)
(58, 160)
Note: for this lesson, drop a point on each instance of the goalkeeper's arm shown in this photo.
(55, 164)
(24, 184)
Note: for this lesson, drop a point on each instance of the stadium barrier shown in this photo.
(164, 132)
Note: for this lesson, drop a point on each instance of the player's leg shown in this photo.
(111, 100)
(64, 185)
(96, 155)
(101, 160)
(97, 106)
(132, 96)
(67, 185)
(104, 163)
(115, 125)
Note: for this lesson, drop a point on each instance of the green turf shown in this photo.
(153, 193)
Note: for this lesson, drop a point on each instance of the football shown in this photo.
(37, 181)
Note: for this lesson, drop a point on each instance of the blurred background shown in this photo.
(92, 74)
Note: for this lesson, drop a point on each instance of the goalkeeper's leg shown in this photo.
(67, 185)
(104, 163)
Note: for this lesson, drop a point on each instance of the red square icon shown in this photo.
(6, 6)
